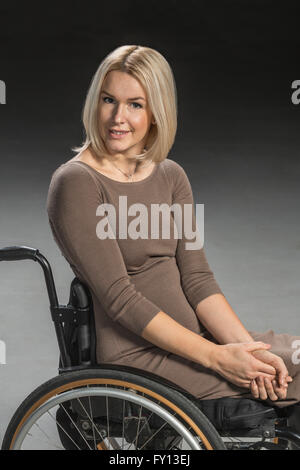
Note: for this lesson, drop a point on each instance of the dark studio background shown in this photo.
(238, 141)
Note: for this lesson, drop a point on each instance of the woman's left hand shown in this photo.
(277, 388)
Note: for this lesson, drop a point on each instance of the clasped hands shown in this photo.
(250, 365)
(273, 387)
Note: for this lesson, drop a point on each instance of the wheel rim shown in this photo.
(63, 393)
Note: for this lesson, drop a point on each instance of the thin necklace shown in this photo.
(130, 175)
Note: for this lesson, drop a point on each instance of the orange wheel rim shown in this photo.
(97, 381)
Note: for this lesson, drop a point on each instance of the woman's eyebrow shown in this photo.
(130, 99)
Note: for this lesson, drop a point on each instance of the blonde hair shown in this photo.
(156, 76)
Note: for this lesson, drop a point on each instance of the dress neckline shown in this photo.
(115, 181)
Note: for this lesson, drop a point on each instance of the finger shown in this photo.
(288, 380)
(257, 345)
(278, 384)
(281, 368)
(254, 389)
(270, 390)
(263, 367)
(285, 383)
(281, 392)
(267, 376)
(282, 375)
(261, 388)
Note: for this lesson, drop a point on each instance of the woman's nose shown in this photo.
(120, 112)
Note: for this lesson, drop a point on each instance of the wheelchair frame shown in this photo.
(79, 312)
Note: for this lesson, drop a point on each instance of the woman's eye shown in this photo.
(138, 104)
(134, 103)
(106, 98)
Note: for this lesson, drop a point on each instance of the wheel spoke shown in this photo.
(138, 427)
(45, 434)
(91, 412)
(76, 427)
(92, 422)
(107, 416)
(137, 417)
(123, 421)
(158, 430)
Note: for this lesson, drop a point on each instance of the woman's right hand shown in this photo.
(235, 362)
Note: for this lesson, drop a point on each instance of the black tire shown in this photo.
(209, 435)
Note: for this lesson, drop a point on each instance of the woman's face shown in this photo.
(123, 106)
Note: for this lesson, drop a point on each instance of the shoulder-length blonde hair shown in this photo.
(156, 76)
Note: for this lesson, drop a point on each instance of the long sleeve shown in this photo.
(72, 202)
(197, 279)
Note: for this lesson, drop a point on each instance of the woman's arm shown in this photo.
(234, 362)
(216, 314)
(168, 334)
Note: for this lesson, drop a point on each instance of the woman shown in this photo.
(157, 304)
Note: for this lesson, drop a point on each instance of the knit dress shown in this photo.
(131, 279)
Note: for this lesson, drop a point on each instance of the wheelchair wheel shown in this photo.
(103, 409)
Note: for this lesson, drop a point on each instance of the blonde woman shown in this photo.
(157, 304)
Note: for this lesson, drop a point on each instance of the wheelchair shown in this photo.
(90, 406)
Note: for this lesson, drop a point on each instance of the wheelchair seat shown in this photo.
(230, 414)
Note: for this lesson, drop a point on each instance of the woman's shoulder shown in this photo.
(174, 170)
(72, 182)
(71, 187)
(71, 172)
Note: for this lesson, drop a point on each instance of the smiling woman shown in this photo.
(156, 302)
(133, 90)
(121, 118)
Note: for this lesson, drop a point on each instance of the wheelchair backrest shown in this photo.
(80, 337)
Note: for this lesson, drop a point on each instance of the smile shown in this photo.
(118, 135)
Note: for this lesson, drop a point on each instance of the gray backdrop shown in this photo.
(238, 140)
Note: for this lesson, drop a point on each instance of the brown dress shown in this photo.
(131, 280)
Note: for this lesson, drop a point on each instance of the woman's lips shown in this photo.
(118, 136)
